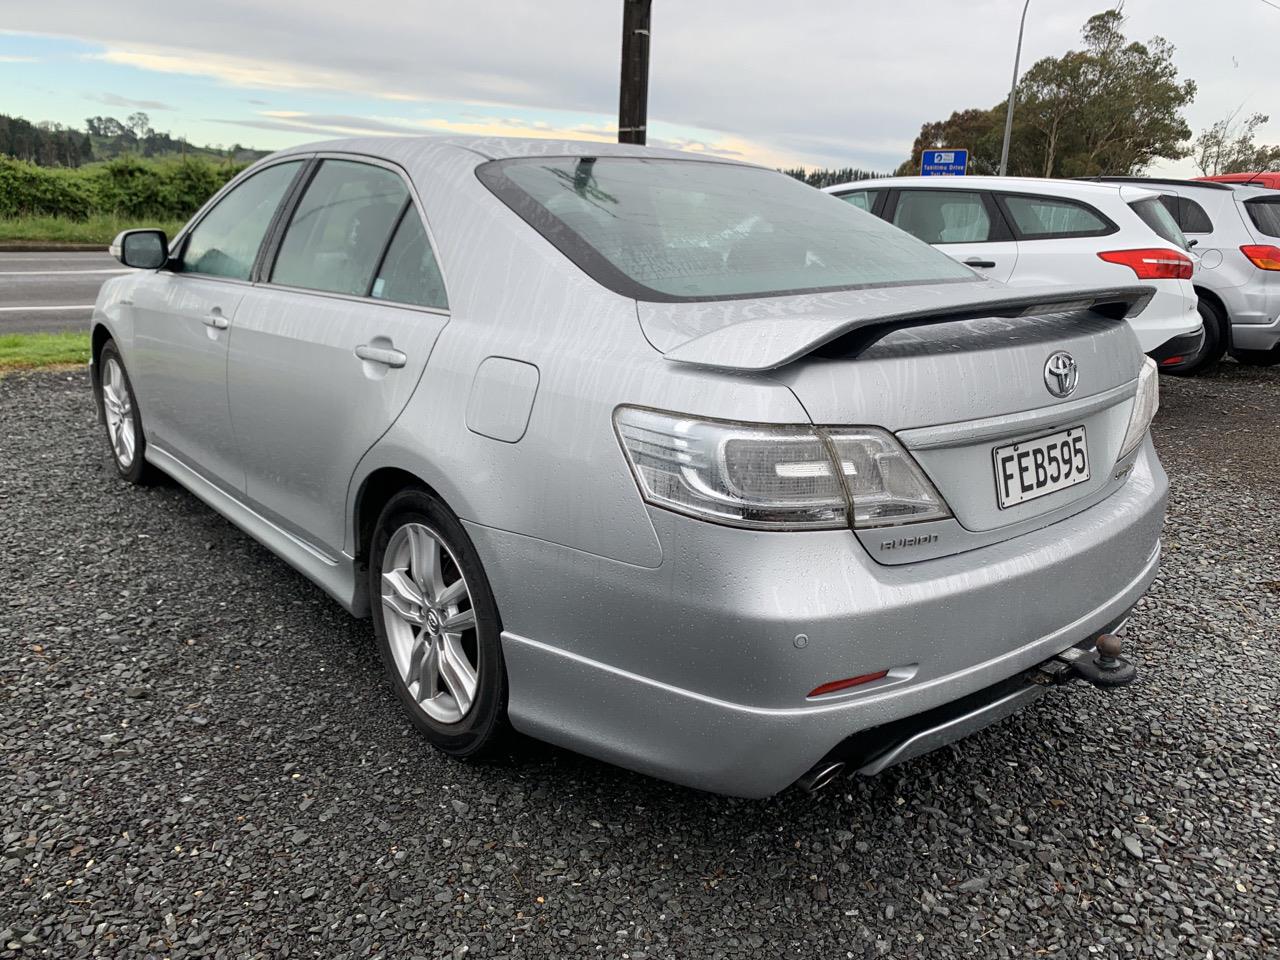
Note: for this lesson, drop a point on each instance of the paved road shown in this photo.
(51, 291)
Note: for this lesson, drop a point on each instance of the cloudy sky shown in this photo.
(817, 83)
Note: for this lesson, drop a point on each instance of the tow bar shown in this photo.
(1100, 665)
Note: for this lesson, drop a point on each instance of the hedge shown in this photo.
(128, 186)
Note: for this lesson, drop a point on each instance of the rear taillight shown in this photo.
(1153, 263)
(1263, 256)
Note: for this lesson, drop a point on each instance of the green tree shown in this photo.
(1228, 147)
(1112, 107)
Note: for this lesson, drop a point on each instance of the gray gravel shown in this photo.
(198, 757)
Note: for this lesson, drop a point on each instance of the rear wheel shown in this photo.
(1258, 358)
(437, 626)
(121, 418)
(1211, 350)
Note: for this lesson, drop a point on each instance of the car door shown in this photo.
(964, 224)
(329, 348)
(183, 318)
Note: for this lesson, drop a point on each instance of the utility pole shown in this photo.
(1013, 92)
(633, 91)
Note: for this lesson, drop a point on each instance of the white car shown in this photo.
(1024, 231)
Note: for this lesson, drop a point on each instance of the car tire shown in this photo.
(1211, 350)
(121, 417)
(1258, 358)
(452, 682)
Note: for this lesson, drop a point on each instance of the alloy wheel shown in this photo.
(118, 407)
(430, 622)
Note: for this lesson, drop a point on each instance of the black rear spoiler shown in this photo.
(769, 343)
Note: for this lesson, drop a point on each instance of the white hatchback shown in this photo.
(1024, 230)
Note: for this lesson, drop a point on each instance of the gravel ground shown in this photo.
(198, 757)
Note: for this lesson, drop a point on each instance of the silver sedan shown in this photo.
(670, 460)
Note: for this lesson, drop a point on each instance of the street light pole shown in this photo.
(633, 91)
(1013, 92)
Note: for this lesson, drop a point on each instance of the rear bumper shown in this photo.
(698, 671)
(1255, 336)
(1186, 345)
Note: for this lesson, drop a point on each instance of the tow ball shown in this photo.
(1099, 664)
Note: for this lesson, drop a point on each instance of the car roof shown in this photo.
(1042, 185)
(1166, 181)
(489, 148)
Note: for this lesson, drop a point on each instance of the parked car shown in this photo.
(669, 460)
(1235, 229)
(1262, 179)
(1031, 231)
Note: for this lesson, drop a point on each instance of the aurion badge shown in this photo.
(1061, 374)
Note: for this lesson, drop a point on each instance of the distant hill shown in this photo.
(48, 144)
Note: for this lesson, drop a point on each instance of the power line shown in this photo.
(1270, 4)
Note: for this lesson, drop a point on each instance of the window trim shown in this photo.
(278, 228)
(178, 248)
(550, 229)
(1002, 195)
(1000, 229)
(878, 196)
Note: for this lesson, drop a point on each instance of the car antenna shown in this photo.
(582, 174)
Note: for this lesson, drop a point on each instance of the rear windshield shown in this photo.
(1157, 216)
(1265, 214)
(673, 230)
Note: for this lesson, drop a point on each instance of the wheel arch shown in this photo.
(1220, 308)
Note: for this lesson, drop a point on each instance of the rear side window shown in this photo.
(1265, 214)
(225, 242)
(687, 230)
(862, 199)
(1157, 216)
(1190, 216)
(1042, 218)
(409, 272)
(943, 216)
(340, 227)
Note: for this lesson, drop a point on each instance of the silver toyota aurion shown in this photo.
(670, 460)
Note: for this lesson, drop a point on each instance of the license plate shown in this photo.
(1035, 468)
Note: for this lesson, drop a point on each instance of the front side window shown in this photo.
(1265, 214)
(677, 230)
(943, 216)
(340, 228)
(1050, 217)
(1156, 215)
(225, 243)
(409, 272)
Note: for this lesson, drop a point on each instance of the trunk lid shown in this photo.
(954, 385)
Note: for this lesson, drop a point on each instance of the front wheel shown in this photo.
(437, 626)
(120, 415)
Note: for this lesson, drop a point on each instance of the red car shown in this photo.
(1271, 180)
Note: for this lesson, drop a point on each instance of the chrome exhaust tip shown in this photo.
(820, 776)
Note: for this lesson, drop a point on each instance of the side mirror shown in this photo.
(1191, 243)
(142, 249)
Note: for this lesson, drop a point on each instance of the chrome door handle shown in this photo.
(216, 320)
(386, 356)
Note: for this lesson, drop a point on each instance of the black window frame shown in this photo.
(270, 250)
(552, 230)
(1000, 228)
(1021, 236)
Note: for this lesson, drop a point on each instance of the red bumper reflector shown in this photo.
(1170, 361)
(835, 685)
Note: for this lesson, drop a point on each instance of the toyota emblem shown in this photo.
(1061, 374)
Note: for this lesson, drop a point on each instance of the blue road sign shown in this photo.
(943, 163)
